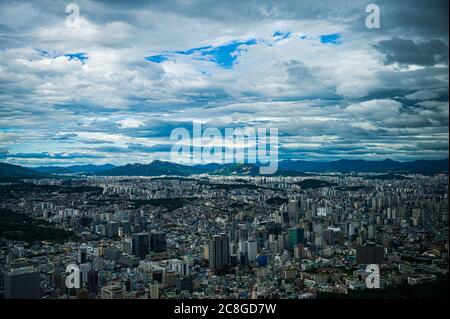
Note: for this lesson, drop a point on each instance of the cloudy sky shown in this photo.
(111, 88)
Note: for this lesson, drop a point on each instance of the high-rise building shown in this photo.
(219, 253)
(181, 267)
(273, 228)
(126, 227)
(157, 276)
(281, 243)
(158, 242)
(140, 244)
(293, 212)
(251, 250)
(127, 284)
(185, 284)
(369, 254)
(84, 271)
(92, 283)
(22, 283)
(233, 234)
(82, 255)
(111, 253)
(295, 236)
(127, 246)
(299, 251)
(154, 291)
(243, 247)
(112, 229)
(371, 232)
(112, 292)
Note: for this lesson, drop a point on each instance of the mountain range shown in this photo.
(286, 168)
(387, 165)
(9, 172)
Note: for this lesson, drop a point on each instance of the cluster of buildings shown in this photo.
(227, 237)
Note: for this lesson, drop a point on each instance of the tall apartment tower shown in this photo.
(140, 244)
(22, 283)
(82, 255)
(112, 292)
(293, 212)
(369, 254)
(158, 242)
(219, 253)
(296, 235)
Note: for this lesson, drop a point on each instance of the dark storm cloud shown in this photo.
(405, 52)
(418, 18)
(419, 79)
(435, 146)
(3, 153)
(412, 18)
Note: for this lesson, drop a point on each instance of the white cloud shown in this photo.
(423, 95)
(334, 93)
(375, 109)
(130, 123)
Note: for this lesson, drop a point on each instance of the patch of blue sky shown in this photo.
(334, 38)
(280, 35)
(160, 58)
(48, 54)
(277, 33)
(82, 57)
(224, 55)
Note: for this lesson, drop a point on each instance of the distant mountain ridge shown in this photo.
(10, 172)
(155, 168)
(286, 168)
(248, 170)
(387, 165)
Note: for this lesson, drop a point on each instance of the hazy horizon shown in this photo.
(199, 164)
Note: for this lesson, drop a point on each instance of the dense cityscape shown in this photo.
(206, 236)
(224, 158)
